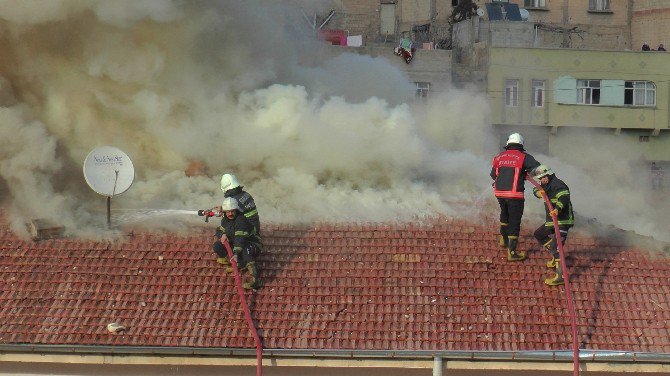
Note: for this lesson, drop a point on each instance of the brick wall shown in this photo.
(360, 17)
(650, 23)
(363, 17)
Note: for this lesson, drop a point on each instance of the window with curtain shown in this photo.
(588, 91)
(537, 93)
(534, 3)
(640, 93)
(599, 4)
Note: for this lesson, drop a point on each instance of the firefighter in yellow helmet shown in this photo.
(559, 195)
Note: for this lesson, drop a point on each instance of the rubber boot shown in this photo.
(502, 238)
(512, 253)
(223, 261)
(253, 282)
(556, 279)
(550, 246)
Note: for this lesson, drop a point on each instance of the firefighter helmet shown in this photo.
(515, 138)
(542, 171)
(229, 203)
(228, 182)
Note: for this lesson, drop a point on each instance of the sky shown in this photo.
(241, 87)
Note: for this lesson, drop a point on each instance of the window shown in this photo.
(639, 93)
(588, 91)
(534, 3)
(537, 92)
(599, 5)
(387, 18)
(422, 89)
(511, 93)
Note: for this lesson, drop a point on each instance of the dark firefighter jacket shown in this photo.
(559, 195)
(246, 204)
(509, 171)
(240, 232)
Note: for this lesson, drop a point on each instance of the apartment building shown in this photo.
(548, 93)
(553, 51)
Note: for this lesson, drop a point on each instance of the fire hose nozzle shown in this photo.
(206, 213)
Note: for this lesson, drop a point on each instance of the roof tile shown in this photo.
(408, 287)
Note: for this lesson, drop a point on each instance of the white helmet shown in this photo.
(229, 203)
(228, 182)
(515, 138)
(541, 171)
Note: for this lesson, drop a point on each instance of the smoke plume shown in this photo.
(241, 87)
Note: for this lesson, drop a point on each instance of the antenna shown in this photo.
(109, 172)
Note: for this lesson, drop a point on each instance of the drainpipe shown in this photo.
(437, 366)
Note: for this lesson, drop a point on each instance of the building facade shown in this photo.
(548, 91)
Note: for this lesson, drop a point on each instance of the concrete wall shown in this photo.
(362, 17)
(569, 24)
(575, 12)
(323, 367)
(433, 66)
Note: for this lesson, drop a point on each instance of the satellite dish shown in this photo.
(525, 14)
(480, 12)
(108, 171)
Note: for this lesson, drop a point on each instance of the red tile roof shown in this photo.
(436, 286)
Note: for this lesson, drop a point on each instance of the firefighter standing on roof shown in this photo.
(559, 195)
(242, 237)
(509, 172)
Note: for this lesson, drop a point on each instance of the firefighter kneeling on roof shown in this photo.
(244, 240)
(559, 196)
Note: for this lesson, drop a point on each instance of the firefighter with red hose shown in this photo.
(558, 194)
(509, 174)
(242, 236)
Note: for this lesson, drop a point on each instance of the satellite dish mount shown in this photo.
(109, 172)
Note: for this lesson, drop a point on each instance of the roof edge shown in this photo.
(611, 356)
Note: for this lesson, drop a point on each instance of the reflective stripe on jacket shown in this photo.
(239, 232)
(508, 173)
(559, 195)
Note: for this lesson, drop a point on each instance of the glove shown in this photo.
(538, 192)
(553, 213)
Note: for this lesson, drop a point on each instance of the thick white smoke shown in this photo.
(227, 86)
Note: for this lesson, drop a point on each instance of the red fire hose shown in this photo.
(247, 313)
(568, 294)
